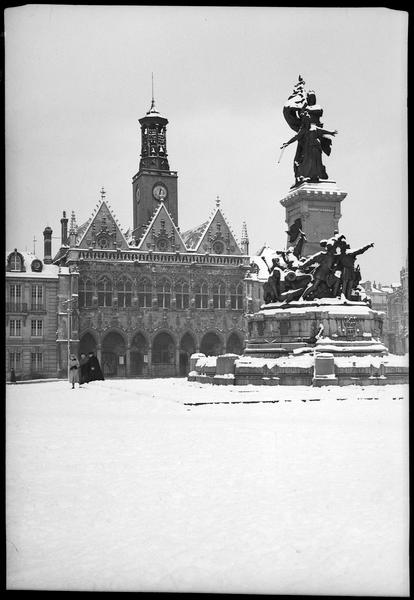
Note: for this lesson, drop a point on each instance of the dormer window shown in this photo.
(15, 261)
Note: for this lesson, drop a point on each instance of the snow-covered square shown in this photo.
(128, 485)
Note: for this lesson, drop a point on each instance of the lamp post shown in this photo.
(69, 313)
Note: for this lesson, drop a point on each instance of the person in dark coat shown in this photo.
(12, 375)
(83, 366)
(94, 368)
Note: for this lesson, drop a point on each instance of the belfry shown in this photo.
(154, 183)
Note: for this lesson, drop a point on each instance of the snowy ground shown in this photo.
(122, 486)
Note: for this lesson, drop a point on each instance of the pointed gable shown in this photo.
(103, 230)
(161, 234)
(217, 237)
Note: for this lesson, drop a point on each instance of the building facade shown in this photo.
(31, 314)
(146, 298)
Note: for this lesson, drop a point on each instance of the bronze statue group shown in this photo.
(330, 273)
(84, 370)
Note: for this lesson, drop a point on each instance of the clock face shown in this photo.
(159, 192)
(137, 194)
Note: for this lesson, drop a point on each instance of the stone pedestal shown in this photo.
(318, 205)
(325, 325)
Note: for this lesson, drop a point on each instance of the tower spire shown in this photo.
(152, 110)
(244, 239)
(152, 91)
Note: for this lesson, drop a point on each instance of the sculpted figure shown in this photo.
(308, 164)
(350, 276)
(325, 261)
(303, 115)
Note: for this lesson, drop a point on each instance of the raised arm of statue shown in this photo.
(361, 250)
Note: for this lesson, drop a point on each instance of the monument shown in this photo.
(316, 322)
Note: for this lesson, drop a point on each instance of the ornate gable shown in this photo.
(162, 235)
(217, 237)
(103, 231)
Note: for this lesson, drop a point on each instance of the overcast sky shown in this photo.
(78, 78)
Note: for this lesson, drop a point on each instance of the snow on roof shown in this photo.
(266, 253)
(81, 230)
(191, 237)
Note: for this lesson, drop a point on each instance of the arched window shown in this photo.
(201, 295)
(219, 295)
(236, 296)
(85, 293)
(124, 288)
(105, 292)
(145, 293)
(164, 293)
(182, 294)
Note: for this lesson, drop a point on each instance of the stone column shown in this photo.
(128, 362)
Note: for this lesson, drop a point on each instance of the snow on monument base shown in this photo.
(322, 342)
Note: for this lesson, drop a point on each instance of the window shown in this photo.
(219, 295)
(15, 327)
(36, 361)
(85, 293)
(15, 262)
(182, 294)
(164, 293)
(105, 292)
(201, 295)
(14, 360)
(124, 288)
(36, 328)
(15, 296)
(145, 293)
(37, 297)
(236, 296)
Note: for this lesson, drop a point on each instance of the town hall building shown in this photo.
(147, 297)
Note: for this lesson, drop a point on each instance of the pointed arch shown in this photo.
(219, 294)
(164, 292)
(105, 291)
(182, 294)
(236, 295)
(144, 291)
(124, 291)
(212, 343)
(201, 294)
(85, 292)
(235, 343)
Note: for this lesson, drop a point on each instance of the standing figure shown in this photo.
(83, 370)
(346, 264)
(310, 137)
(324, 260)
(94, 368)
(12, 375)
(271, 288)
(303, 115)
(73, 370)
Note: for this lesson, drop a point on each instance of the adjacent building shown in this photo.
(32, 313)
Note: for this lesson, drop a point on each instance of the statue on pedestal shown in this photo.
(303, 115)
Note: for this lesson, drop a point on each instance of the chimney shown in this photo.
(47, 242)
(64, 223)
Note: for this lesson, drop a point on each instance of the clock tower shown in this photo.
(154, 183)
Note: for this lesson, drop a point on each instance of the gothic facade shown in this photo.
(146, 298)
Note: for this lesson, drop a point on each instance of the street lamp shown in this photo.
(69, 313)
